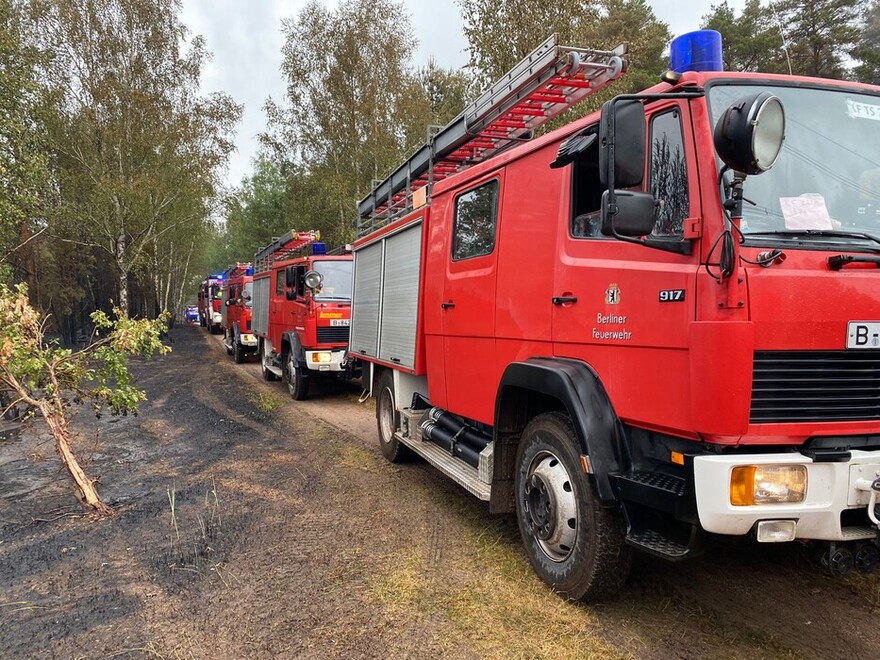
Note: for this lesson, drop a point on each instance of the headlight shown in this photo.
(322, 356)
(768, 484)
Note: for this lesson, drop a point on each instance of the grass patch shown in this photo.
(865, 586)
(358, 457)
(264, 401)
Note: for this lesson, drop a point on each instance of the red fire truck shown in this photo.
(238, 289)
(650, 324)
(302, 312)
(210, 294)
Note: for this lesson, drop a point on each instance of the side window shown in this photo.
(476, 214)
(586, 188)
(279, 283)
(667, 174)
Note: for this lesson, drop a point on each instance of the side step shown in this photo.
(477, 481)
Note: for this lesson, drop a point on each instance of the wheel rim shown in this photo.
(263, 362)
(550, 506)
(386, 414)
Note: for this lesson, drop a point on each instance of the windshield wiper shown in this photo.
(815, 233)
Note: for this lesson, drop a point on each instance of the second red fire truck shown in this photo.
(302, 312)
(238, 286)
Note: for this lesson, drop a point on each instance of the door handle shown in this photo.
(447, 305)
(563, 300)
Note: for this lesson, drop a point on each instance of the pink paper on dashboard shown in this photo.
(805, 212)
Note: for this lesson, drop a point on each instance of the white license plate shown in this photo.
(338, 323)
(863, 334)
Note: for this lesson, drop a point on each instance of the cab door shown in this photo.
(467, 308)
(625, 309)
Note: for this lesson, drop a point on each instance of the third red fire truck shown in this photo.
(650, 324)
(302, 312)
(210, 295)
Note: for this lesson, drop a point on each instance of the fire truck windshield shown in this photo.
(337, 280)
(827, 177)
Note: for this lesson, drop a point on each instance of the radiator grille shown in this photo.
(333, 335)
(815, 386)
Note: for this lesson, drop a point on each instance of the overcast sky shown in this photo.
(245, 37)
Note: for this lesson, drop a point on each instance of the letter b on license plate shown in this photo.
(863, 334)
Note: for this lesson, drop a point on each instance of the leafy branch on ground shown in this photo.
(49, 378)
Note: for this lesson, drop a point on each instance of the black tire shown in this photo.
(225, 340)
(575, 544)
(267, 375)
(297, 382)
(388, 420)
(237, 352)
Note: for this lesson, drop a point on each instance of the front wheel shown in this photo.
(227, 344)
(238, 352)
(297, 383)
(575, 544)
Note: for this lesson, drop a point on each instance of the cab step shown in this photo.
(655, 543)
(653, 490)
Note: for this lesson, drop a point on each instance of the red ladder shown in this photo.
(552, 79)
(283, 247)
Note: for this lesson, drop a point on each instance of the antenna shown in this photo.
(782, 34)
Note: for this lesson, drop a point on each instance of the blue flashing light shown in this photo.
(319, 248)
(696, 51)
(249, 271)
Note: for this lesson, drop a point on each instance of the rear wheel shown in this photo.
(388, 421)
(297, 382)
(575, 544)
(264, 364)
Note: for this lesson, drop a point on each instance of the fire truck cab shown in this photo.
(656, 322)
(237, 304)
(302, 312)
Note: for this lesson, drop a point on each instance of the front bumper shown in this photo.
(831, 489)
(334, 360)
(216, 318)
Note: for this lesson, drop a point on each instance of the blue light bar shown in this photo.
(319, 248)
(696, 51)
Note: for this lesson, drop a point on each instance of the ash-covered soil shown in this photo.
(249, 525)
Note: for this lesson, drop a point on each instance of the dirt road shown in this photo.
(250, 525)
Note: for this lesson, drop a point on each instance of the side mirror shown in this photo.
(633, 215)
(290, 276)
(313, 279)
(622, 126)
(748, 137)
(290, 294)
(245, 295)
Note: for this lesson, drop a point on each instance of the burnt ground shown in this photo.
(249, 525)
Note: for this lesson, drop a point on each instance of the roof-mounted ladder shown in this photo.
(550, 80)
(237, 269)
(283, 247)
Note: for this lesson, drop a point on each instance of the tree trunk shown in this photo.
(86, 492)
(28, 266)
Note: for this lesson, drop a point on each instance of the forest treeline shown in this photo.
(111, 158)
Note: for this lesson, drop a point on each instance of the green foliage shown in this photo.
(804, 37)
(868, 48)
(354, 109)
(43, 374)
(25, 177)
